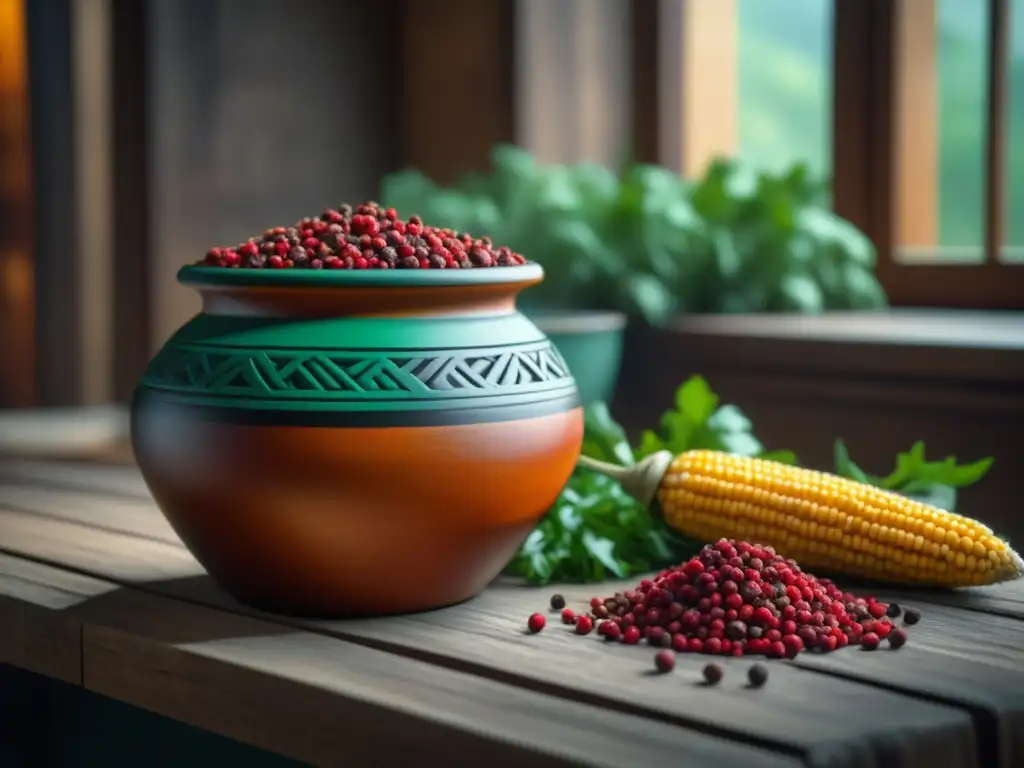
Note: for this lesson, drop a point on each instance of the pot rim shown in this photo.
(204, 276)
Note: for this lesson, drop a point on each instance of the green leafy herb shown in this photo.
(699, 422)
(644, 241)
(933, 482)
(596, 531)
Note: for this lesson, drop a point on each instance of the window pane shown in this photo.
(785, 83)
(942, 71)
(963, 74)
(1015, 138)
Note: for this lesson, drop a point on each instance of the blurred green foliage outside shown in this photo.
(786, 100)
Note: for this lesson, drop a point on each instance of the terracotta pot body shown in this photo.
(338, 443)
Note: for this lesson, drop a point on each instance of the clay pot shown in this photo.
(337, 443)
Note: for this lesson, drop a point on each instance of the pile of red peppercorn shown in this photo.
(366, 237)
(734, 599)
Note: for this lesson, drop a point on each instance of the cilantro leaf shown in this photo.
(595, 530)
(932, 482)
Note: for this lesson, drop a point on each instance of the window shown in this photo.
(928, 117)
(1014, 248)
(915, 108)
(785, 85)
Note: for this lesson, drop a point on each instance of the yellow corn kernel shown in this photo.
(831, 523)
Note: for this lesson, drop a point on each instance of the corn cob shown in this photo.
(821, 520)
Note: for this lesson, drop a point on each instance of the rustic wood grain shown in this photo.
(94, 551)
(316, 698)
(1005, 599)
(486, 638)
(970, 660)
(115, 480)
(981, 676)
(135, 517)
(36, 632)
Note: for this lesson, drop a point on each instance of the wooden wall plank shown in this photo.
(92, 49)
(17, 292)
(58, 301)
(572, 86)
(132, 248)
(456, 86)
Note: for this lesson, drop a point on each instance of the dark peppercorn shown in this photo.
(911, 616)
(557, 602)
(893, 611)
(897, 638)
(713, 674)
(736, 630)
(870, 641)
(757, 675)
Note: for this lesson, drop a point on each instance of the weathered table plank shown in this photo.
(319, 699)
(116, 497)
(112, 480)
(37, 633)
(862, 726)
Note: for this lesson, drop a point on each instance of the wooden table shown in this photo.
(97, 591)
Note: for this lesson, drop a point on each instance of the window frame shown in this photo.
(867, 68)
(870, 60)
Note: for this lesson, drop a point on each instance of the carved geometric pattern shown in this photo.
(347, 374)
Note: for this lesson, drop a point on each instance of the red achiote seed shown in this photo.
(897, 638)
(612, 630)
(568, 616)
(536, 622)
(583, 625)
(631, 635)
(664, 661)
(688, 606)
(869, 642)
